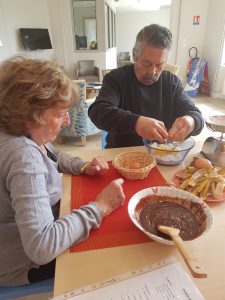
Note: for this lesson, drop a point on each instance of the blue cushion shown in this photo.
(104, 135)
(80, 123)
(43, 286)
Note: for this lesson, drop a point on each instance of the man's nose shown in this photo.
(152, 70)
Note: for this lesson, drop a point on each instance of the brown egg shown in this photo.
(202, 163)
(134, 165)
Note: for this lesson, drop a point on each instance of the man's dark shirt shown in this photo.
(122, 99)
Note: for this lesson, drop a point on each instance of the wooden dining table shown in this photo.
(77, 270)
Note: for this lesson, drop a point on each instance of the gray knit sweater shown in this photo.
(30, 187)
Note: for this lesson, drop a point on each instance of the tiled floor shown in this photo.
(208, 106)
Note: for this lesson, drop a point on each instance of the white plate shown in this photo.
(171, 192)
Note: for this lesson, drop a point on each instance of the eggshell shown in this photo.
(134, 165)
(202, 163)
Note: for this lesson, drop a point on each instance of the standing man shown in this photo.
(143, 101)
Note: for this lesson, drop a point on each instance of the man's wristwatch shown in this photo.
(82, 169)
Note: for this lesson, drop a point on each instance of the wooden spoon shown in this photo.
(190, 261)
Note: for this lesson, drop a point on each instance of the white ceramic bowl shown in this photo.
(168, 153)
(171, 192)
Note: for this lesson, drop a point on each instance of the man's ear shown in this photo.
(134, 56)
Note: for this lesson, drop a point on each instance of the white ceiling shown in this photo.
(144, 5)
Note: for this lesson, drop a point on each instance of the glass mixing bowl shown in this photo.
(169, 153)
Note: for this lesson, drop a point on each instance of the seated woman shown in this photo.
(34, 99)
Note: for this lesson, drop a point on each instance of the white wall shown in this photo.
(191, 35)
(175, 11)
(128, 24)
(208, 37)
(213, 44)
(97, 56)
(56, 16)
(60, 13)
(21, 13)
(111, 58)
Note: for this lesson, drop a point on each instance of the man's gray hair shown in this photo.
(155, 35)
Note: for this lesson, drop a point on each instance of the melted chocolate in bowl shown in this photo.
(183, 214)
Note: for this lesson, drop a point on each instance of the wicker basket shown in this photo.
(124, 163)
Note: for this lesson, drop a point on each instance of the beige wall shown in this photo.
(190, 35)
(128, 24)
(60, 13)
(15, 14)
(213, 44)
(56, 15)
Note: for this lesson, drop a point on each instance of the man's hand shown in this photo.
(151, 129)
(181, 128)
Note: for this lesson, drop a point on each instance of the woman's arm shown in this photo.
(29, 188)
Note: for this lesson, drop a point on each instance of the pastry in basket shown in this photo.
(134, 164)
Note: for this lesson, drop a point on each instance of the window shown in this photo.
(110, 27)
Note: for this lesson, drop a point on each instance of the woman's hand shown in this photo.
(97, 166)
(111, 197)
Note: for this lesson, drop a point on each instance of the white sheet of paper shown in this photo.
(165, 283)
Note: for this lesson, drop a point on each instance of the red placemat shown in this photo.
(116, 229)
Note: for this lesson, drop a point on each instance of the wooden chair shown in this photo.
(172, 68)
